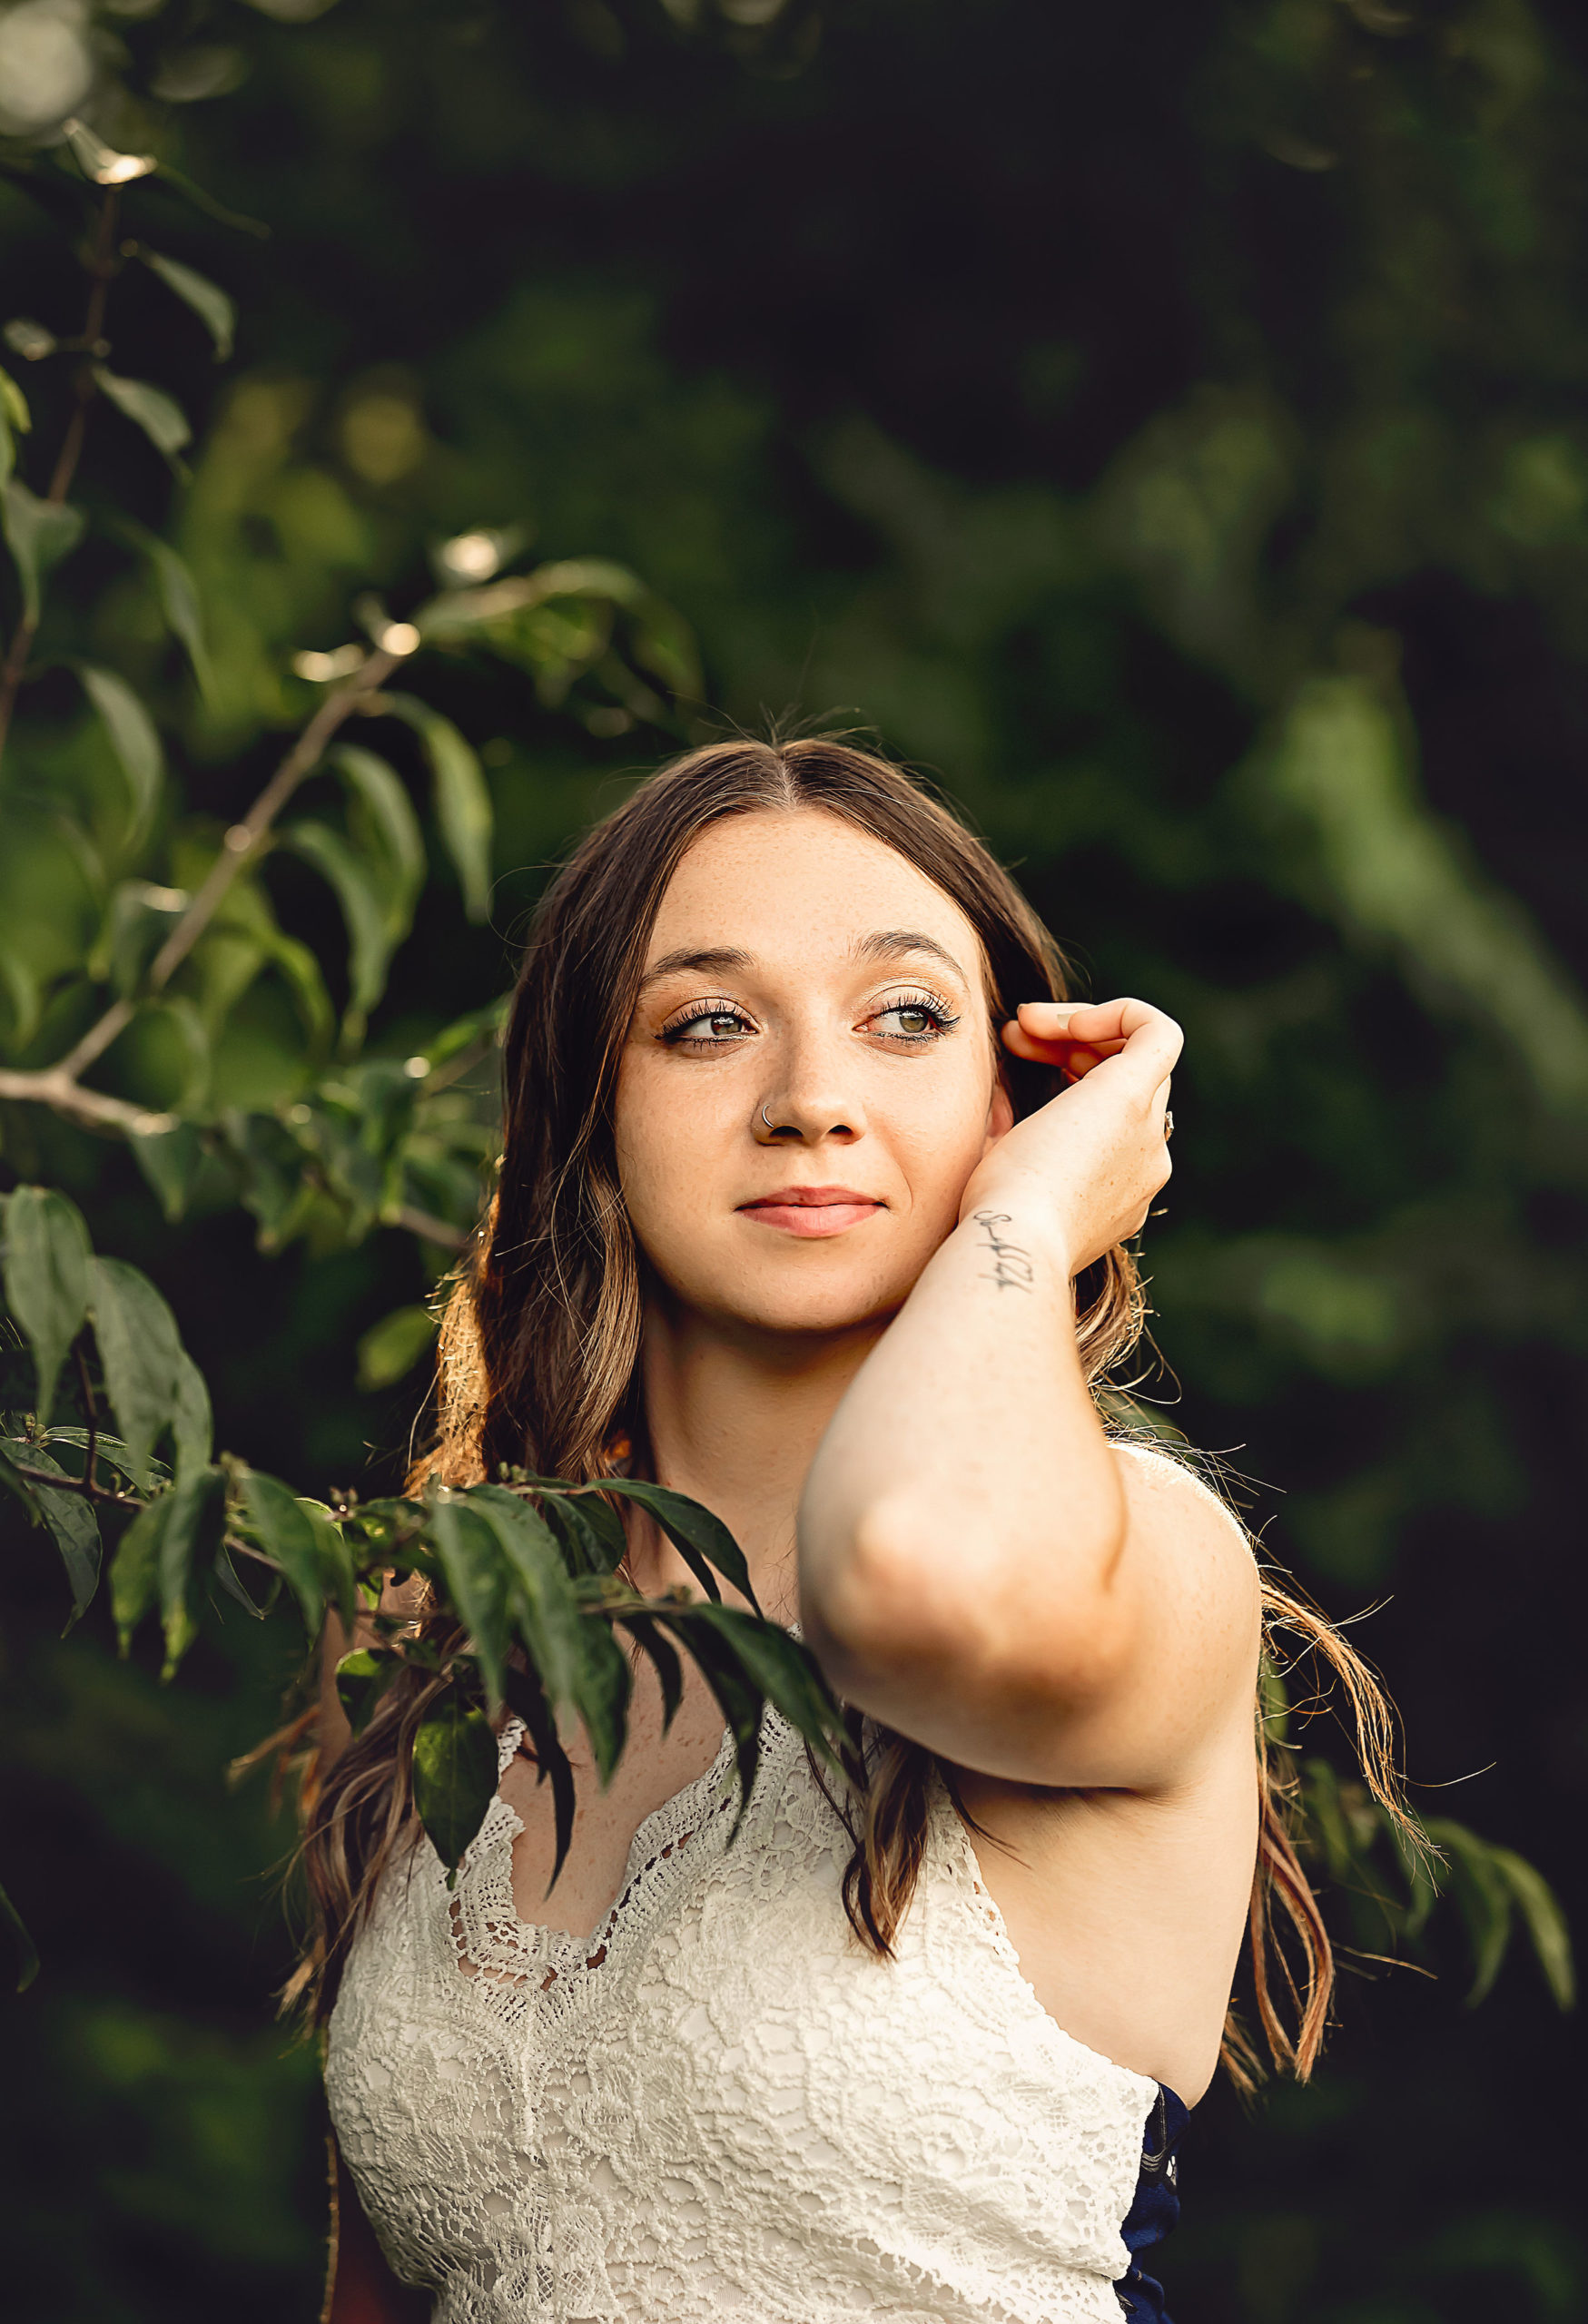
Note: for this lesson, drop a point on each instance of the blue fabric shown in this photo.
(1156, 2209)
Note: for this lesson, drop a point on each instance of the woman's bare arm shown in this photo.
(360, 2289)
(979, 1567)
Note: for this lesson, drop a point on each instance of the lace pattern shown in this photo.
(719, 2105)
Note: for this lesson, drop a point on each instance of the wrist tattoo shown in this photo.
(1011, 1268)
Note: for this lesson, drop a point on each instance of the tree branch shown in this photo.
(56, 1483)
(57, 1086)
(101, 268)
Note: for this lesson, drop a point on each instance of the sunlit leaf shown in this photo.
(454, 1776)
(71, 1519)
(132, 738)
(46, 1278)
(388, 832)
(14, 411)
(463, 802)
(363, 1676)
(21, 1943)
(159, 415)
(39, 534)
(475, 1579)
(141, 1353)
(211, 305)
(390, 1349)
(140, 918)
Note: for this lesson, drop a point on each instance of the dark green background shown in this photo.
(1166, 424)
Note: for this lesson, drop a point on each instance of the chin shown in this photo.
(805, 1309)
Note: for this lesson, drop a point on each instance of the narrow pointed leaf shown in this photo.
(141, 1353)
(1545, 1923)
(527, 1701)
(39, 534)
(784, 1671)
(192, 1431)
(179, 599)
(132, 738)
(237, 1589)
(454, 1776)
(46, 1278)
(211, 305)
(15, 1482)
(663, 1656)
(463, 801)
(23, 1946)
(605, 1685)
(188, 1539)
(363, 913)
(110, 1452)
(159, 415)
(473, 1568)
(134, 1570)
(739, 1699)
(586, 1548)
(385, 825)
(71, 1519)
(546, 1612)
(1481, 1895)
(390, 1349)
(702, 1541)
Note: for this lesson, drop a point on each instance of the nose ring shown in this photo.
(765, 1117)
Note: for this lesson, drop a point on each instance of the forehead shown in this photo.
(781, 884)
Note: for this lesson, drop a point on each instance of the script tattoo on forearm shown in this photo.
(1011, 1268)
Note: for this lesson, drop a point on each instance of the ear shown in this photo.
(1000, 1116)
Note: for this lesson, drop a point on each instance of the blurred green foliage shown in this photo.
(1166, 425)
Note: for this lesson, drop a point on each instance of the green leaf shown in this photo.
(587, 1546)
(363, 1676)
(132, 738)
(738, 1697)
(27, 1959)
(14, 1482)
(454, 1776)
(139, 918)
(110, 1451)
(390, 1349)
(602, 1696)
(159, 415)
(71, 1519)
(784, 1670)
(386, 831)
(273, 1519)
(179, 599)
(477, 1584)
(46, 1278)
(192, 1428)
(134, 1570)
(13, 408)
(1545, 1922)
(211, 305)
(141, 1353)
(28, 338)
(547, 1613)
(1481, 1894)
(463, 802)
(170, 1160)
(701, 1539)
(527, 1701)
(649, 1636)
(273, 1164)
(39, 534)
(336, 1560)
(190, 1535)
(369, 942)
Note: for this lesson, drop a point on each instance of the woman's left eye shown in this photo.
(913, 1021)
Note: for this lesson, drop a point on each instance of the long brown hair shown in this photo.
(540, 1343)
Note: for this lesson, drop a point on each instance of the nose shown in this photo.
(813, 1097)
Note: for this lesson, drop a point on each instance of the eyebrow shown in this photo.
(887, 944)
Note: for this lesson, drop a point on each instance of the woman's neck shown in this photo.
(734, 1421)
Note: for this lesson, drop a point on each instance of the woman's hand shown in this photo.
(1092, 1159)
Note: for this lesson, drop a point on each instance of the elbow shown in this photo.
(922, 1600)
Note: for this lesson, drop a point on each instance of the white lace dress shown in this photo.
(720, 2106)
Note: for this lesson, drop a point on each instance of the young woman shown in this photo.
(813, 1204)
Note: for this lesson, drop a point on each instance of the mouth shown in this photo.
(812, 1212)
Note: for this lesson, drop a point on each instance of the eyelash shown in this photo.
(677, 1034)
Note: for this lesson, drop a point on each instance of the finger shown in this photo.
(1100, 1023)
(1071, 1057)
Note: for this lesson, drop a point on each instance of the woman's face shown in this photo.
(800, 966)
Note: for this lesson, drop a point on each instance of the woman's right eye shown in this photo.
(711, 1027)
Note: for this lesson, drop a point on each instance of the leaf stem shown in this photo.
(101, 267)
(58, 1482)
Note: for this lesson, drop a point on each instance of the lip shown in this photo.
(810, 1213)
